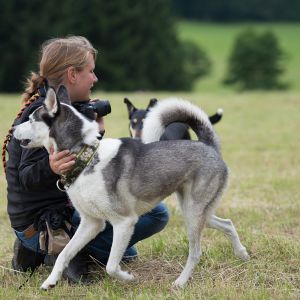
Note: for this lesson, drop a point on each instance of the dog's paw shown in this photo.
(48, 284)
(179, 283)
(242, 254)
(129, 277)
(119, 274)
(125, 276)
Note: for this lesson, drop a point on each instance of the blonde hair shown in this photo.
(57, 55)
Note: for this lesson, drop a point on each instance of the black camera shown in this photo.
(100, 107)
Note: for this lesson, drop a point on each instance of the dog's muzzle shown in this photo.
(25, 142)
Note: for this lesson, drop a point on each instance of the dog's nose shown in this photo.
(138, 134)
(101, 134)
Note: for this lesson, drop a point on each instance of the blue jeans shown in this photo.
(31, 243)
(147, 225)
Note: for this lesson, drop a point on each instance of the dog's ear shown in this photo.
(130, 107)
(152, 102)
(51, 102)
(62, 95)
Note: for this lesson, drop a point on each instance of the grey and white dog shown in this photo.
(127, 177)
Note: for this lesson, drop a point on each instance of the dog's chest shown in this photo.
(88, 193)
(90, 200)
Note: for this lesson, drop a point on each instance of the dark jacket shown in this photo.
(31, 184)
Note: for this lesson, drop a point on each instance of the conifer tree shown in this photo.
(137, 41)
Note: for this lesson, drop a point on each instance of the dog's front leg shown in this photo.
(123, 230)
(87, 230)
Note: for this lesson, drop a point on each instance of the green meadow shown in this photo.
(218, 39)
(260, 143)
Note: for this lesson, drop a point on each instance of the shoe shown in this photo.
(49, 260)
(24, 258)
(77, 270)
(130, 255)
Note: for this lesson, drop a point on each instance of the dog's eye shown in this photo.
(134, 121)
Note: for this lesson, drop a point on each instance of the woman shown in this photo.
(32, 173)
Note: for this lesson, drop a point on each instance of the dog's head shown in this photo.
(56, 123)
(136, 117)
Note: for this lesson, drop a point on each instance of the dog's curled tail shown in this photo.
(178, 110)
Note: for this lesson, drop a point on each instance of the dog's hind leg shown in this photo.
(195, 222)
(87, 230)
(226, 226)
(198, 198)
(123, 230)
(194, 229)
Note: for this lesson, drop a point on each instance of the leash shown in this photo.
(26, 280)
(21, 272)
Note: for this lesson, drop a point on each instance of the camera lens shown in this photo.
(85, 108)
(102, 107)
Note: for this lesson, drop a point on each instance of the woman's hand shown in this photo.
(61, 162)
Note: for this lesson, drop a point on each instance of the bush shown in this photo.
(256, 62)
(196, 62)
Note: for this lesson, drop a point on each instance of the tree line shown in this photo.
(137, 42)
(237, 10)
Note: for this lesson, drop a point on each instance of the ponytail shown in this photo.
(32, 85)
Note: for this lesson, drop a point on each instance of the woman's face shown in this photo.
(84, 80)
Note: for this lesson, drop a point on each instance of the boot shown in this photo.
(24, 258)
(77, 270)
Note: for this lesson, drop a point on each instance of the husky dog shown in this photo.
(174, 131)
(126, 177)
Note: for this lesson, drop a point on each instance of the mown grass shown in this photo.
(260, 143)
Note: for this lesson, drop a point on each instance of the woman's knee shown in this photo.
(160, 213)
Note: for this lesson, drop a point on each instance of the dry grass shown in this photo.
(261, 144)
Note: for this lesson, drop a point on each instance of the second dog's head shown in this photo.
(136, 117)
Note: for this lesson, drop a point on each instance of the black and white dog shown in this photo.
(174, 131)
(124, 178)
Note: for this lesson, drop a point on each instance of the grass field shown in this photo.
(261, 146)
(218, 40)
